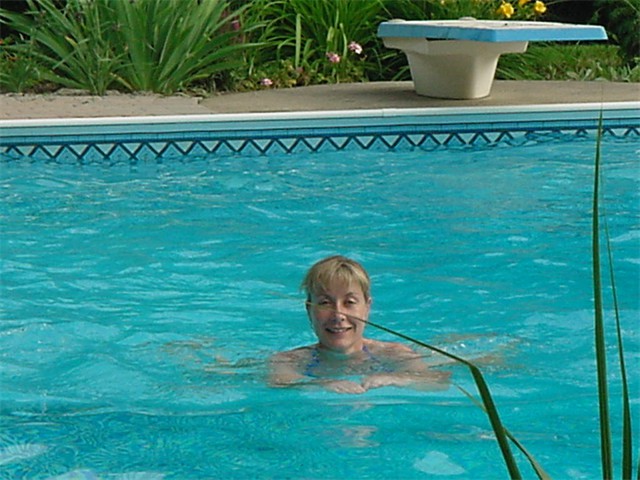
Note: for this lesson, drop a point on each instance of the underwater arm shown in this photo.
(408, 370)
(283, 371)
(431, 381)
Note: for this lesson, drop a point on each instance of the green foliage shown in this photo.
(160, 46)
(171, 44)
(305, 42)
(606, 442)
(601, 353)
(622, 20)
(567, 62)
(18, 72)
(71, 44)
(166, 46)
(454, 9)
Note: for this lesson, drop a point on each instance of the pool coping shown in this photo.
(439, 113)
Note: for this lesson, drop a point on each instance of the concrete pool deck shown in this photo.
(350, 96)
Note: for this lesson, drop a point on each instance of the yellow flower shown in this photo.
(522, 3)
(506, 10)
(539, 7)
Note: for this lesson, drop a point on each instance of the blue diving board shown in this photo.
(491, 30)
(458, 58)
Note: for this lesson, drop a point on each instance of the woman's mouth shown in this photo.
(338, 330)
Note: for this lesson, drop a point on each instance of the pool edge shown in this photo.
(213, 118)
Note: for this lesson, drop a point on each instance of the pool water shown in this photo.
(140, 303)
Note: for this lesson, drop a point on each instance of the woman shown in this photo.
(338, 305)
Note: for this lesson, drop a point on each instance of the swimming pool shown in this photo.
(150, 268)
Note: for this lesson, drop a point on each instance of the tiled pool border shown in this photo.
(118, 139)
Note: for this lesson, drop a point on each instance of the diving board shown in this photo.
(458, 58)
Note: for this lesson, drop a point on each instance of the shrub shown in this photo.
(18, 73)
(160, 46)
(166, 46)
(171, 44)
(622, 20)
(71, 44)
(308, 41)
(567, 62)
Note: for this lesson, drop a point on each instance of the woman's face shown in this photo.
(336, 315)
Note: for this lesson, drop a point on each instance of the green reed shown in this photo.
(487, 404)
(606, 442)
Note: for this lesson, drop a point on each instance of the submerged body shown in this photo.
(343, 360)
(378, 364)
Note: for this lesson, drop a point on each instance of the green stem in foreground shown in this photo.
(488, 406)
(487, 400)
(627, 438)
(601, 358)
(542, 474)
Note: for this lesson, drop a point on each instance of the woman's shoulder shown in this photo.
(404, 358)
(388, 348)
(294, 354)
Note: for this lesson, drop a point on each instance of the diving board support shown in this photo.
(458, 58)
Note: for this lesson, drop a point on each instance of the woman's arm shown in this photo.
(283, 369)
(409, 370)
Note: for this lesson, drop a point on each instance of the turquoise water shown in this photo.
(141, 302)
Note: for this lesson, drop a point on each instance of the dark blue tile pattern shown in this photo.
(132, 147)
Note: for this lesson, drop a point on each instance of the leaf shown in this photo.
(600, 346)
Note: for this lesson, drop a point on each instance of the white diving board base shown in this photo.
(458, 58)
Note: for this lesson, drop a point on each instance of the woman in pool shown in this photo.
(343, 360)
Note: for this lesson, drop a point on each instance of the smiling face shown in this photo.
(336, 314)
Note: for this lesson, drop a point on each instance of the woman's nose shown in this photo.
(339, 315)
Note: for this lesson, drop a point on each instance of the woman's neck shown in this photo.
(355, 351)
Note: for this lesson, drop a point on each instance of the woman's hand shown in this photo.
(344, 386)
(378, 380)
(432, 380)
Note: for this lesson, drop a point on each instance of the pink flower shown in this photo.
(355, 48)
(333, 57)
(266, 82)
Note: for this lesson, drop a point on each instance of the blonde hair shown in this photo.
(335, 269)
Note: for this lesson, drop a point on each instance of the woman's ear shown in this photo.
(307, 305)
(369, 302)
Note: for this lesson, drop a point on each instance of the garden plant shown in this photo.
(146, 45)
(222, 45)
